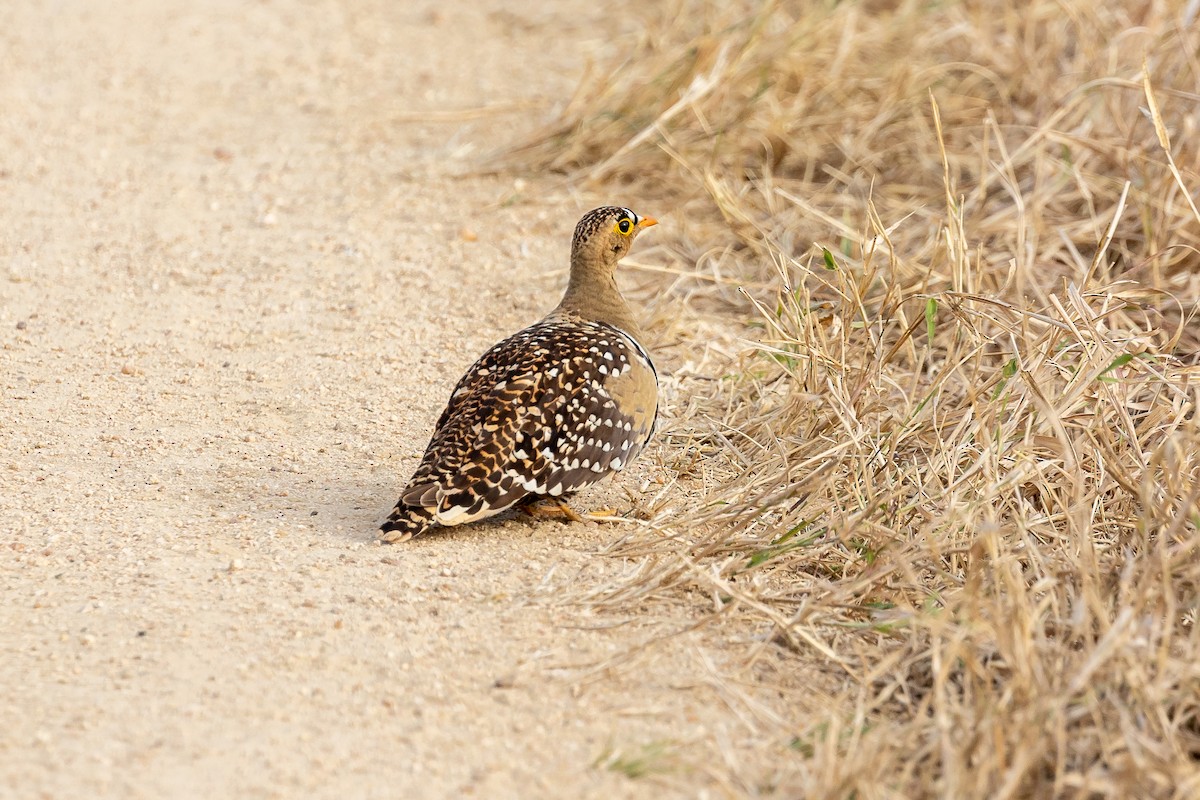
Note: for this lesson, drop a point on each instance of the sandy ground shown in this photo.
(237, 280)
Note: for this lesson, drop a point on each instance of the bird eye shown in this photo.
(624, 226)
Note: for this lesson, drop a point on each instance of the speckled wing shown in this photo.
(547, 411)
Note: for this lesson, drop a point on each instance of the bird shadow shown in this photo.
(353, 511)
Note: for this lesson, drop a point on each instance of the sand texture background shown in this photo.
(238, 278)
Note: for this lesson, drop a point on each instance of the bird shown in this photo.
(553, 408)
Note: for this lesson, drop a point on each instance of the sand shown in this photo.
(239, 274)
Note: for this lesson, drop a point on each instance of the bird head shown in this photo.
(606, 233)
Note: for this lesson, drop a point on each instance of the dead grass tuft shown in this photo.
(965, 440)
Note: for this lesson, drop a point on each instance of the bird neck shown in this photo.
(592, 294)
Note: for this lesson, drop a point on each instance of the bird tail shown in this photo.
(405, 522)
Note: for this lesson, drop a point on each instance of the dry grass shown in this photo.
(965, 443)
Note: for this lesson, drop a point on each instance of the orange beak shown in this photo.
(646, 222)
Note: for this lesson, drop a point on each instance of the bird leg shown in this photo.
(550, 508)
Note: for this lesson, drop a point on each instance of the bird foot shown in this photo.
(602, 513)
(394, 536)
(551, 508)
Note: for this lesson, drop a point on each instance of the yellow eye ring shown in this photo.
(624, 226)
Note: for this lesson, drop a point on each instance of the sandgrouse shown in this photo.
(549, 410)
